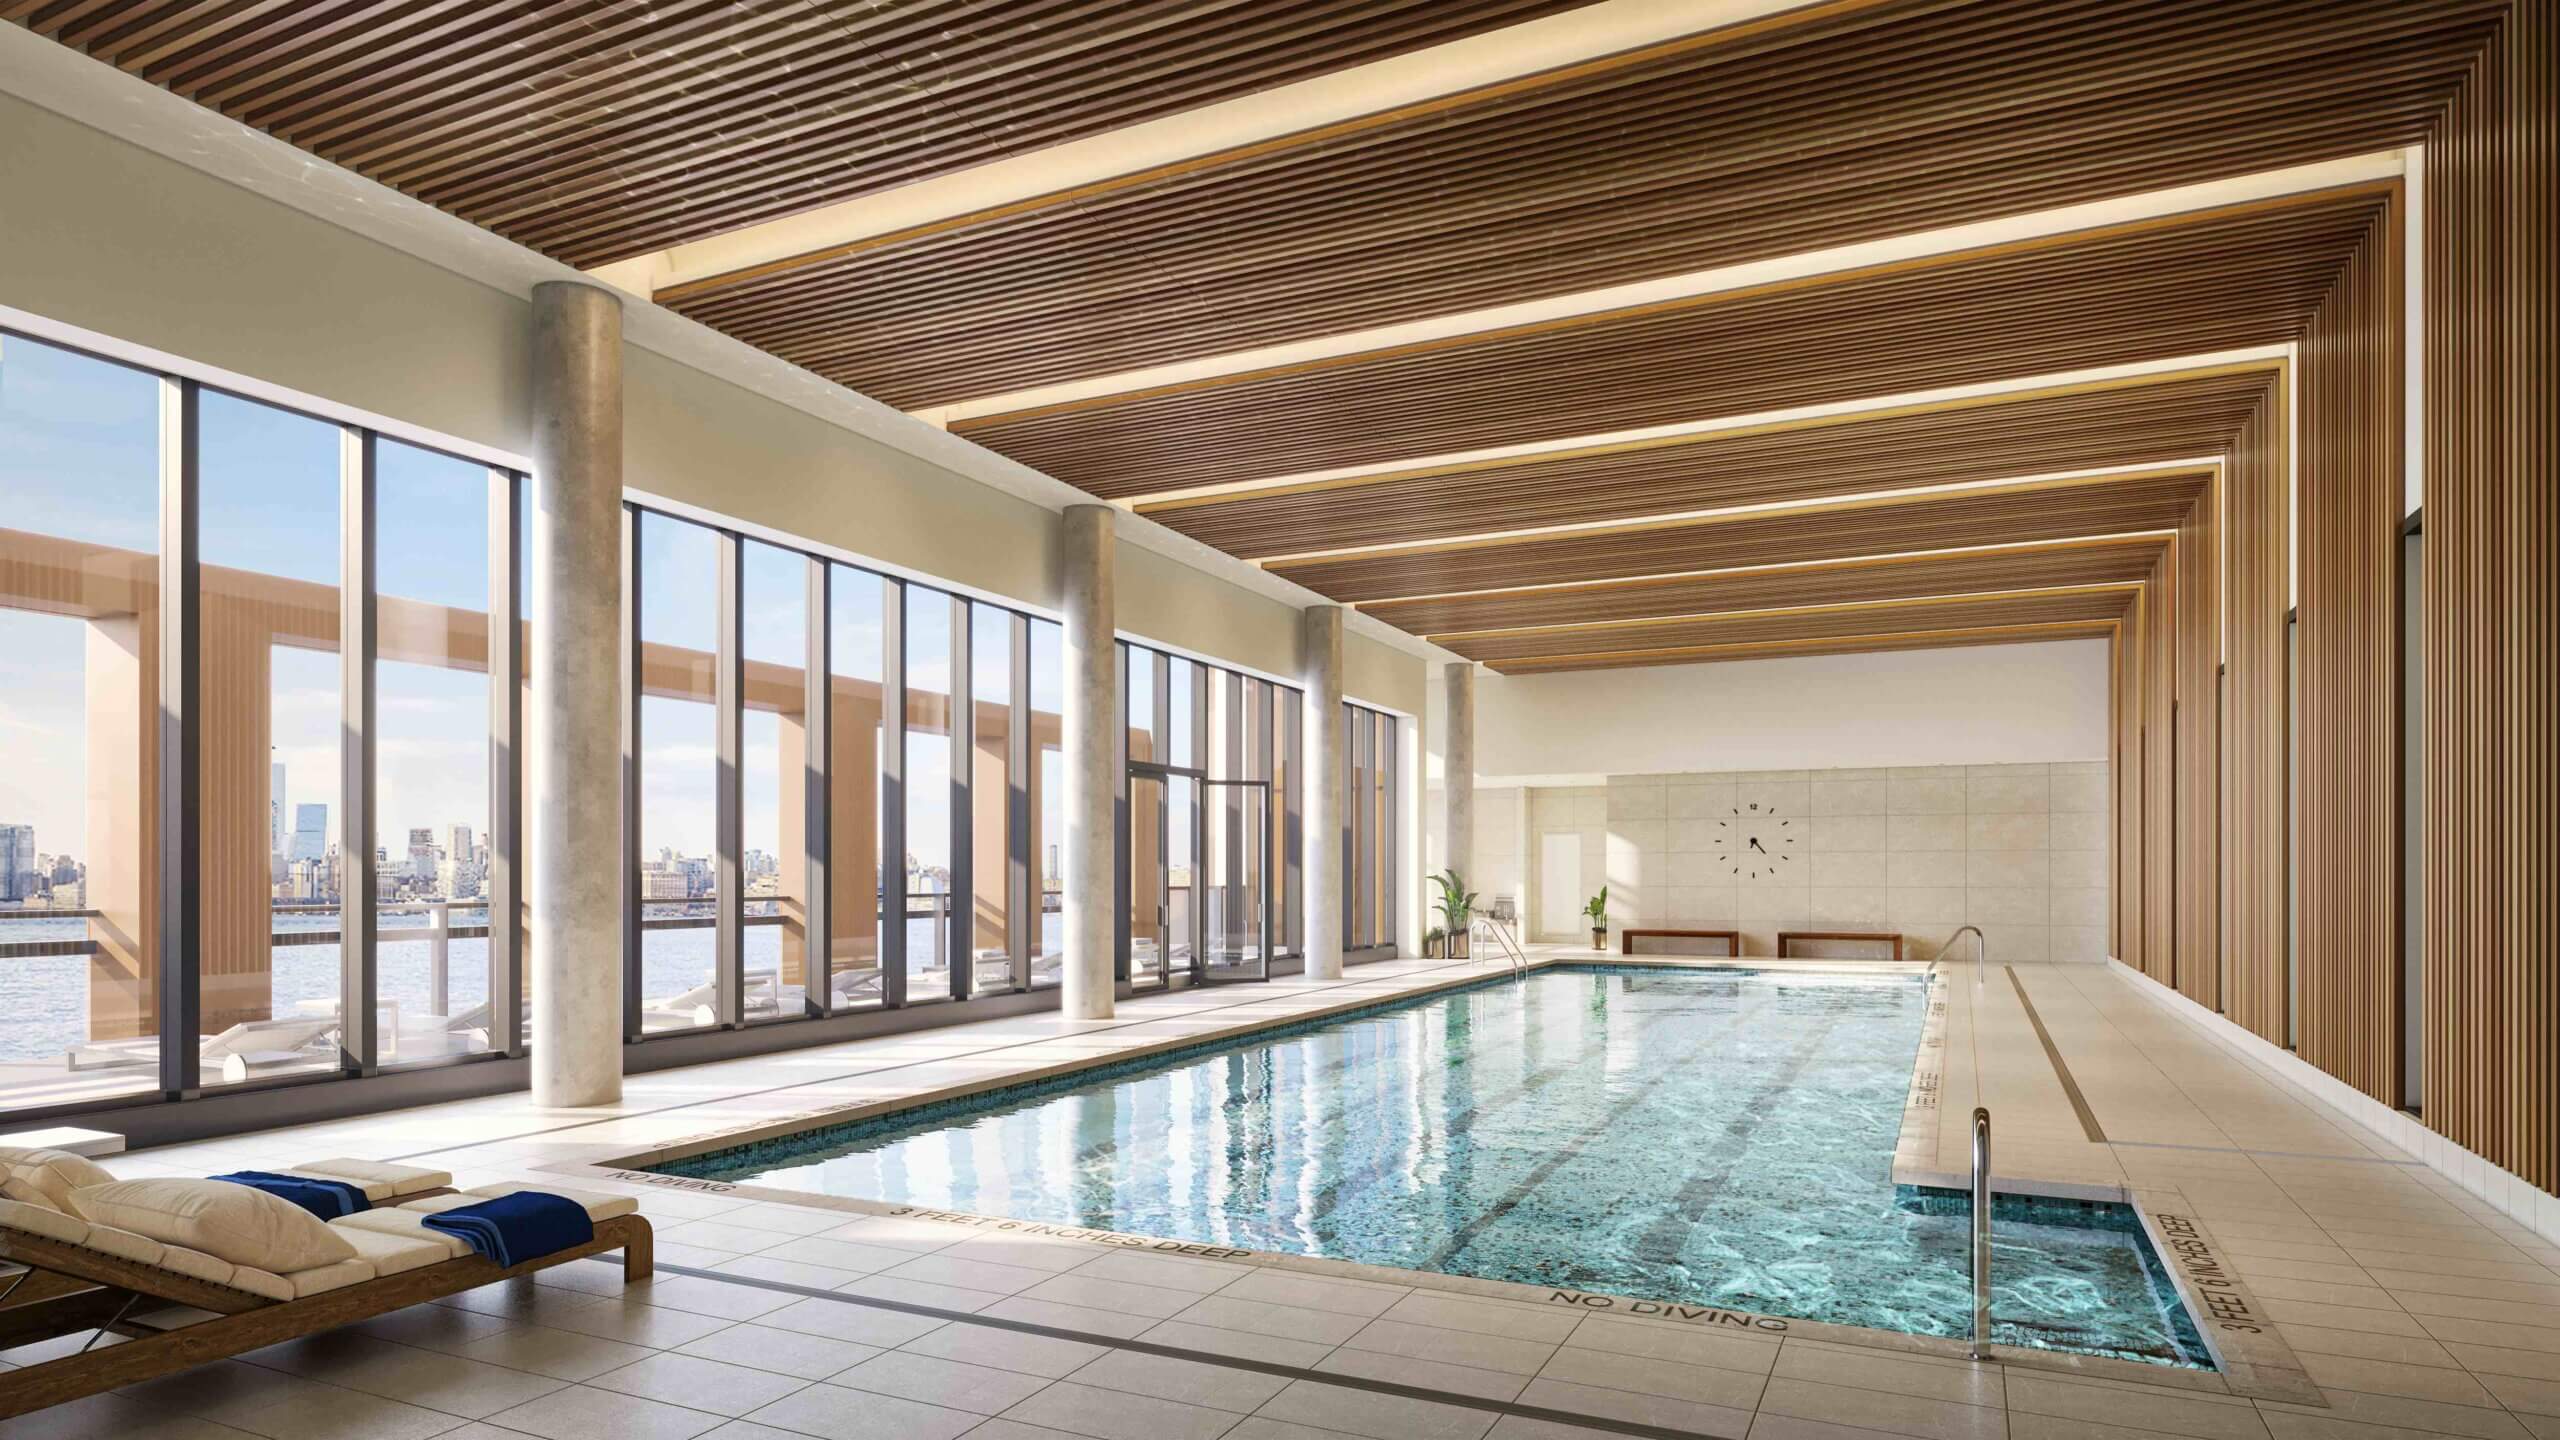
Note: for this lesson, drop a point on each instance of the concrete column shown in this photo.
(1320, 675)
(573, 720)
(1091, 755)
(1458, 771)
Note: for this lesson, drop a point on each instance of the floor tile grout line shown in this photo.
(1106, 1029)
(1205, 1357)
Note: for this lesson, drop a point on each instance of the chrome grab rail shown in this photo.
(1981, 1234)
(1510, 947)
(1981, 947)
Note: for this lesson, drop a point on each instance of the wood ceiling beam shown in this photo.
(1837, 645)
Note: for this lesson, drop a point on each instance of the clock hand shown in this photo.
(1755, 844)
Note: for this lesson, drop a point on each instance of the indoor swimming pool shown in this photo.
(1713, 1137)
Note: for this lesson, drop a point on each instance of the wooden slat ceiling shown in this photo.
(1843, 645)
(1850, 121)
(2152, 419)
(1823, 530)
(1447, 619)
(1798, 622)
(594, 130)
(2157, 289)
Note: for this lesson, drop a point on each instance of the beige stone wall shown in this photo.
(2020, 850)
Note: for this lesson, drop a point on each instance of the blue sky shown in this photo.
(79, 457)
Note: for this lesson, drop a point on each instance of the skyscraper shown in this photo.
(275, 806)
(17, 862)
(310, 832)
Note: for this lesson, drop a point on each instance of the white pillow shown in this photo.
(238, 1223)
(47, 1177)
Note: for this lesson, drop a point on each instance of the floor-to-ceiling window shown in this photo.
(1371, 824)
(1045, 736)
(80, 459)
(1208, 856)
(859, 875)
(434, 796)
(773, 770)
(677, 889)
(260, 791)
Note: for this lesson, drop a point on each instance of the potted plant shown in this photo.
(1597, 907)
(1457, 907)
(1434, 943)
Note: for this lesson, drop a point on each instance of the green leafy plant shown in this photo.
(1457, 903)
(1597, 907)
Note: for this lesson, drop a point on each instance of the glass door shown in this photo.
(1150, 907)
(1235, 881)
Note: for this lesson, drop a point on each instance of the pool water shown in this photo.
(1705, 1137)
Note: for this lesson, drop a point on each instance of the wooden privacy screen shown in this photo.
(2492, 598)
(2254, 743)
(2348, 646)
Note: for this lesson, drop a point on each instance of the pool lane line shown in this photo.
(1205, 1357)
(1347, 982)
(2070, 1087)
(1664, 1239)
(1474, 1229)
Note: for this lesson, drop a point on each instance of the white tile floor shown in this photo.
(2415, 1309)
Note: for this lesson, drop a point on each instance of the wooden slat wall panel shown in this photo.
(1866, 618)
(2254, 737)
(2125, 839)
(2161, 818)
(2154, 419)
(2122, 559)
(1840, 645)
(594, 130)
(1841, 123)
(2349, 645)
(2492, 602)
(2155, 289)
(2198, 644)
(2039, 510)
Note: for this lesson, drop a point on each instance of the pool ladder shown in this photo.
(1981, 1234)
(1502, 936)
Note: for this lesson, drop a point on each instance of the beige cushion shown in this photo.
(47, 1177)
(43, 1220)
(390, 1254)
(381, 1181)
(125, 1245)
(260, 1282)
(329, 1277)
(232, 1222)
(600, 1206)
(408, 1225)
(197, 1265)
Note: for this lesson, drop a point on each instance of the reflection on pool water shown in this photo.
(1709, 1137)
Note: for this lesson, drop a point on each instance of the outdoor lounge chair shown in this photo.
(179, 1308)
(234, 1055)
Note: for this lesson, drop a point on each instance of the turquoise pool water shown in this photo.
(1704, 1137)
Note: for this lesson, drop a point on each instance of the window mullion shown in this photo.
(358, 1037)
(728, 839)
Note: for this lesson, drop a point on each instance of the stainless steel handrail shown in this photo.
(1981, 946)
(1510, 947)
(1981, 1234)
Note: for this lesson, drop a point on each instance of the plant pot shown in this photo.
(1457, 947)
(1599, 939)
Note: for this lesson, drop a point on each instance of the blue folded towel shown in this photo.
(327, 1199)
(512, 1229)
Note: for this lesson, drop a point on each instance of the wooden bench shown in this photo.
(1627, 939)
(1881, 937)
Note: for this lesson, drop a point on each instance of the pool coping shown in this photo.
(2246, 1370)
(2245, 1344)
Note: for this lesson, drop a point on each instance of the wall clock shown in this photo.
(1755, 841)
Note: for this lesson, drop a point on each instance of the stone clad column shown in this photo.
(1320, 673)
(1458, 765)
(573, 721)
(1091, 755)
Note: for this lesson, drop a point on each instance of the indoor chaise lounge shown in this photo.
(169, 1305)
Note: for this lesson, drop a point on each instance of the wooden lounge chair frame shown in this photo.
(78, 1289)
